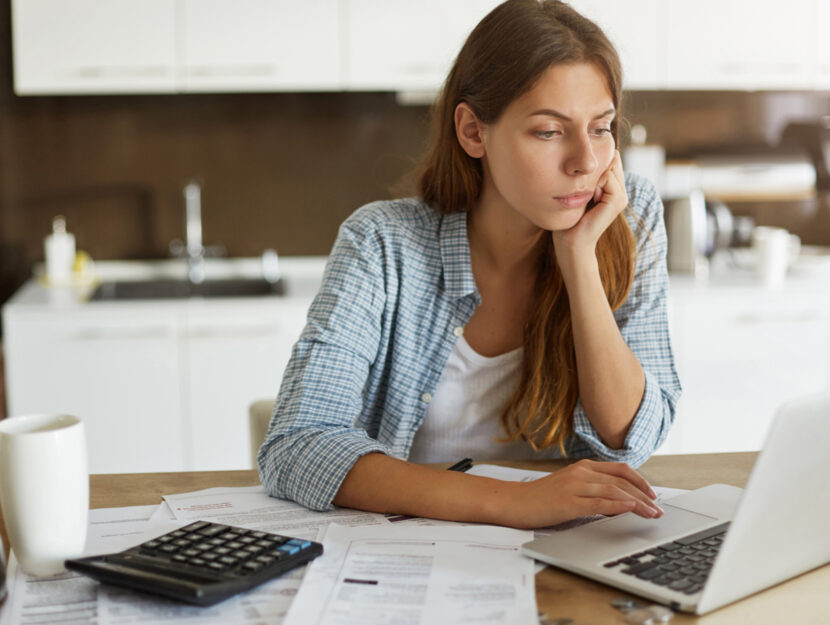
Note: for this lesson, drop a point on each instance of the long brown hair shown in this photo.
(502, 59)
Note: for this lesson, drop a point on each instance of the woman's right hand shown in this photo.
(584, 488)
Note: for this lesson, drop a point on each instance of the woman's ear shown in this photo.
(469, 131)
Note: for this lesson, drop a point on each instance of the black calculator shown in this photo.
(201, 563)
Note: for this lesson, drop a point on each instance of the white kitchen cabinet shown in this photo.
(259, 45)
(821, 24)
(236, 354)
(162, 385)
(406, 45)
(741, 351)
(739, 44)
(118, 371)
(162, 46)
(634, 27)
(89, 46)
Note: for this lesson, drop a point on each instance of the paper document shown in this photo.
(253, 508)
(401, 574)
(73, 599)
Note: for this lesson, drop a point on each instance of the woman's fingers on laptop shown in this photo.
(580, 489)
(619, 492)
(615, 482)
(620, 469)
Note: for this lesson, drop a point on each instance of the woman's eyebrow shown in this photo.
(563, 117)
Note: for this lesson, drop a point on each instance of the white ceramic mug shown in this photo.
(772, 246)
(44, 489)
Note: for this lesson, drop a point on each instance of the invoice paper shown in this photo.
(251, 507)
(409, 574)
(74, 599)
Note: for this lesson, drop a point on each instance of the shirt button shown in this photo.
(458, 330)
(426, 398)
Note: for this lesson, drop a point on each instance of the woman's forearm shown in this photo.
(379, 483)
(611, 379)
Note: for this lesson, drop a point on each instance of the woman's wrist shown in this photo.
(577, 265)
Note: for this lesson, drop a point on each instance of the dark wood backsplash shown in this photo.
(278, 170)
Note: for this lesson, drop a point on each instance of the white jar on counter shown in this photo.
(59, 251)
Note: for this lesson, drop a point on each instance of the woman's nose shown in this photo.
(581, 158)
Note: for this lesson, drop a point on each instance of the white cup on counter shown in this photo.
(44, 489)
(775, 250)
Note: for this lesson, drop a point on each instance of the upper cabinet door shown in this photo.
(633, 27)
(93, 46)
(820, 35)
(259, 45)
(406, 45)
(739, 44)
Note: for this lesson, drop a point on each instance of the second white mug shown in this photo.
(44, 489)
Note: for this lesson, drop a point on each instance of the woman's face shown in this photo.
(545, 155)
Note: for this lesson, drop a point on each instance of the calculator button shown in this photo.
(151, 544)
(196, 526)
(234, 545)
(177, 533)
(190, 553)
(247, 540)
(209, 555)
(228, 560)
(302, 544)
(252, 549)
(264, 543)
(169, 548)
(241, 554)
(259, 534)
(213, 530)
(197, 561)
(264, 559)
(216, 566)
(182, 542)
(222, 551)
(252, 566)
(216, 541)
(179, 558)
(203, 546)
(164, 539)
(228, 536)
(289, 549)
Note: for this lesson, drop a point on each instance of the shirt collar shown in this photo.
(455, 255)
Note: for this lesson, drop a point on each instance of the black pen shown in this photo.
(462, 465)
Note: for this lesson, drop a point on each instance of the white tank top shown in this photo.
(463, 418)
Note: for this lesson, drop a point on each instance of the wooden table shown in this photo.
(804, 600)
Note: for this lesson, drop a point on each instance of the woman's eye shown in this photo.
(601, 131)
(547, 134)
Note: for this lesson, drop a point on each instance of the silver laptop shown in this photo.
(720, 543)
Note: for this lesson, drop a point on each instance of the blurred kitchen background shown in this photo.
(291, 114)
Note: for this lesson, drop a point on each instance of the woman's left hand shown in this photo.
(610, 199)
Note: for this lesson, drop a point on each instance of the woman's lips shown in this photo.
(575, 200)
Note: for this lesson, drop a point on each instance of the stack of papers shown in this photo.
(373, 571)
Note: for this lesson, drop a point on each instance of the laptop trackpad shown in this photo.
(676, 522)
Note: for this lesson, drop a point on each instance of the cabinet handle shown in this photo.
(784, 317)
(234, 332)
(109, 334)
(108, 72)
(230, 71)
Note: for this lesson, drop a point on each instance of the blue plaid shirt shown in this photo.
(397, 290)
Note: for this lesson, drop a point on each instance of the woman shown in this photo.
(509, 312)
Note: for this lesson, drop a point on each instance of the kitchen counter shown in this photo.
(301, 275)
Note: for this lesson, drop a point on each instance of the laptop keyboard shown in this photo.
(682, 565)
